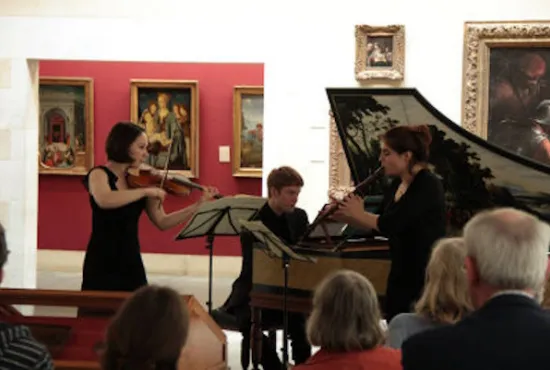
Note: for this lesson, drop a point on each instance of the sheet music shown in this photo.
(235, 208)
(236, 202)
(275, 245)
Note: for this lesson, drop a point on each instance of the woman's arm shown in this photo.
(164, 221)
(366, 220)
(427, 194)
(98, 185)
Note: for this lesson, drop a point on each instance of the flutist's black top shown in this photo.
(413, 224)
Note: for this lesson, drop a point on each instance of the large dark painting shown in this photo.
(519, 101)
(476, 174)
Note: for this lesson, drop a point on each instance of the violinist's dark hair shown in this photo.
(119, 140)
(148, 332)
(283, 176)
(414, 139)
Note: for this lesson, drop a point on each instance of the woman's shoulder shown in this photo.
(404, 319)
(366, 359)
(427, 177)
(383, 355)
(409, 322)
(429, 174)
(101, 171)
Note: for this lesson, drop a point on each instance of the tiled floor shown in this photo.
(185, 285)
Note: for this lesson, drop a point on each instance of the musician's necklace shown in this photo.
(400, 191)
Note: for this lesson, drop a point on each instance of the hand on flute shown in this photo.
(349, 209)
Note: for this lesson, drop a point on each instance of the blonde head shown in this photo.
(446, 297)
(345, 315)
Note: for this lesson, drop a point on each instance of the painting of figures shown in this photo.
(66, 126)
(248, 112)
(506, 85)
(519, 101)
(168, 111)
(379, 52)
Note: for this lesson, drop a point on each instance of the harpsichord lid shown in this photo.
(476, 174)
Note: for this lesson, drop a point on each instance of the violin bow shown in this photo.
(166, 163)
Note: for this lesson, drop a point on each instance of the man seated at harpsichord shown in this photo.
(289, 223)
(18, 349)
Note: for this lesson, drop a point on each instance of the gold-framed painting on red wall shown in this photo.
(66, 125)
(168, 110)
(248, 131)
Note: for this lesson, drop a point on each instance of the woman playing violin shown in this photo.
(113, 258)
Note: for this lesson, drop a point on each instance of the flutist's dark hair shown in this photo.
(414, 139)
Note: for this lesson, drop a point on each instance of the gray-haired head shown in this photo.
(510, 249)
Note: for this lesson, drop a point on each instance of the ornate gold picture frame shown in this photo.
(379, 52)
(340, 181)
(248, 110)
(506, 78)
(66, 126)
(168, 110)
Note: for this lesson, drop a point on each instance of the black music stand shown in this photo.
(220, 217)
(276, 248)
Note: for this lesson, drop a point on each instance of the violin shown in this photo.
(145, 177)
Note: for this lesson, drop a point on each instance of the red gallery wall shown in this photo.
(64, 215)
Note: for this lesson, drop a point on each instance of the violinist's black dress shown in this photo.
(113, 258)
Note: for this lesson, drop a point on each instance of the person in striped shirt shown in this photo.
(18, 349)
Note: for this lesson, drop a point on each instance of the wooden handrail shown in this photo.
(66, 298)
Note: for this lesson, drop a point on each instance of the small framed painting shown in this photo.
(66, 126)
(169, 112)
(248, 131)
(379, 52)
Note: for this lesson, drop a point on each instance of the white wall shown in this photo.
(19, 168)
(306, 46)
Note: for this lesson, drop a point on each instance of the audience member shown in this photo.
(506, 266)
(18, 349)
(445, 299)
(148, 332)
(345, 323)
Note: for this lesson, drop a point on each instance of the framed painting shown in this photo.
(66, 126)
(506, 87)
(248, 131)
(169, 113)
(379, 52)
